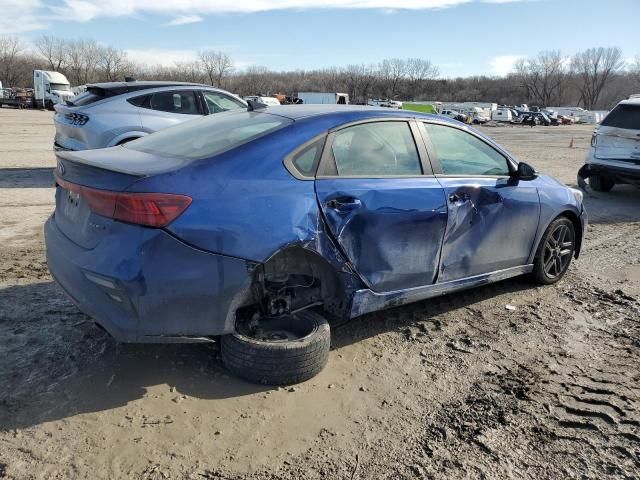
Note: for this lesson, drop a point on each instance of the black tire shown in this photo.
(600, 183)
(281, 362)
(555, 252)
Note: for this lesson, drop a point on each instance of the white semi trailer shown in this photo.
(323, 98)
(50, 88)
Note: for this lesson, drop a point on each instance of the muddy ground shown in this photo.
(460, 387)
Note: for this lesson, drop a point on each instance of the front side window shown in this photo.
(461, 153)
(174, 102)
(376, 149)
(217, 102)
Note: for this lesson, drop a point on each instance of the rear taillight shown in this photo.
(594, 139)
(78, 119)
(148, 209)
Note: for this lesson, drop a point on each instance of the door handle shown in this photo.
(343, 203)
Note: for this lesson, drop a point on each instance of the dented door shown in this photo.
(492, 217)
(390, 229)
(492, 225)
(384, 212)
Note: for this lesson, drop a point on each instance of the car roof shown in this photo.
(298, 112)
(116, 88)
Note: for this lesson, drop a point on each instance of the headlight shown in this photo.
(577, 194)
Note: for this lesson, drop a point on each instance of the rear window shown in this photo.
(209, 136)
(90, 96)
(623, 116)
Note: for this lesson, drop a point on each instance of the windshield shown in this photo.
(209, 136)
(625, 115)
(60, 86)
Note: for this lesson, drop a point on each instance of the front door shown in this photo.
(493, 218)
(382, 203)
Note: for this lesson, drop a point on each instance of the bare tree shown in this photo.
(217, 65)
(359, 79)
(54, 50)
(10, 51)
(190, 71)
(635, 68)
(594, 67)
(113, 63)
(419, 71)
(391, 72)
(543, 77)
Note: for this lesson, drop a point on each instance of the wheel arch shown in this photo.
(577, 226)
(126, 137)
(574, 218)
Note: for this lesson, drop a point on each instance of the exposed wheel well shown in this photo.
(295, 278)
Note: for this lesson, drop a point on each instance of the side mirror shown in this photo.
(526, 172)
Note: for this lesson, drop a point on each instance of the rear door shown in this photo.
(382, 203)
(493, 218)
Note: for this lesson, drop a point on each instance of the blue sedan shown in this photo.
(259, 228)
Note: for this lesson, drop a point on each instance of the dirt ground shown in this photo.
(460, 387)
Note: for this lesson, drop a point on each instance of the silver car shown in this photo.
(110, 114)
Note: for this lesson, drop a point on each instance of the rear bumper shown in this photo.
(616, 169)
(144, 285)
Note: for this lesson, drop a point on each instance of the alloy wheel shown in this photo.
(557, 251)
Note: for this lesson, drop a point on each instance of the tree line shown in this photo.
(595, 78)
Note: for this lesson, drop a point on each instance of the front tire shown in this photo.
(555, 252)
(280, 351)
(601, 183)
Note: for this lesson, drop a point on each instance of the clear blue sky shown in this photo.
(468, 37)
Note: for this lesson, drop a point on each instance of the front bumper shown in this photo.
(144, 285)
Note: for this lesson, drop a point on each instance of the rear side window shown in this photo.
(174, 102)
(376, 149)
(461, 153)
(210, 135)
(624, 116)
(306, 161)
(141, 101)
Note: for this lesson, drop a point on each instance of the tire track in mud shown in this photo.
(576, 406)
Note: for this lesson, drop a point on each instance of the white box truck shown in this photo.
(502, 115)
(315, 98)
(50, 88)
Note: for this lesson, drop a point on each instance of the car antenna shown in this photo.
(254, 105)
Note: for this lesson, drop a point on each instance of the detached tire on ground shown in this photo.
(600, 183)
(282, 351)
